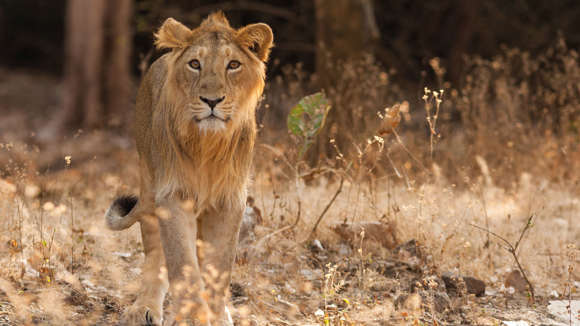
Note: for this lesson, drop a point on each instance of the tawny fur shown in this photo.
(184, 156)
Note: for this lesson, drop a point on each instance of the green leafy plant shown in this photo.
(307, 118)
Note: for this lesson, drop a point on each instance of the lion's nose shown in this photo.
(210, 102)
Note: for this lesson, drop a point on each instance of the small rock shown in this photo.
(316, 247)
(442, 301)
(411, 247)
(383, 233)
(433, 291)
(517, 281)
(472, 285)
(238, 292)
(318, 244)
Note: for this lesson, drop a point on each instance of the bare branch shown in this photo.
(409, 152)
(512, 250)
(509, 248)
(526, 228)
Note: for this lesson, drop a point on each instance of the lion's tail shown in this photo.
(123, 213)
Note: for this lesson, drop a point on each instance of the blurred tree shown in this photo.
(97, 81)
(411, 33)
(464, 17)
(346, 31)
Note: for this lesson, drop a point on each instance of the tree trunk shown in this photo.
(346, 32)
(465, 17)
(339, 34)
(92, 61)
(119, 84)
(73, 69)
(97, 82)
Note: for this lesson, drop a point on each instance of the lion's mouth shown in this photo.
(211, 117)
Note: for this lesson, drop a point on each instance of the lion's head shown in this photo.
(196, 109)
(215, 72)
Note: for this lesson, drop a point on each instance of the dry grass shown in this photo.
(59, 273)
(428, 184)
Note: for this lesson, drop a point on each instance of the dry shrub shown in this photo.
(517, 110)
(535, 94)
(516, 99)
(357, 90)
(281, 94)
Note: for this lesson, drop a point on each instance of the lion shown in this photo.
(195, 129)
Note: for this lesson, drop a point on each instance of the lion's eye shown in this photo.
(194, 64)
(234, 64)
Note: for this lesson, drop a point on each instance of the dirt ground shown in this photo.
(390, 252)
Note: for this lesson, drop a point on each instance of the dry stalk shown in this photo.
(487, 241)
(280, 230)
(21, 237)
(429, 97)
(67, 160)
(361, 257)
(512, 249)
(571, 254)
(400, 141)
(338, 191)
(298, 214)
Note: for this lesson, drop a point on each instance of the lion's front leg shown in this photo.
(218, 232)
(178, 235)
(148, 307)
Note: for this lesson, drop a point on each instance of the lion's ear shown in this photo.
(172, 34)
(258, 38)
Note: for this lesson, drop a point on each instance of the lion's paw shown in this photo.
(138, 315)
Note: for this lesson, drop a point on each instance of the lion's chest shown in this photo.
(211, 172)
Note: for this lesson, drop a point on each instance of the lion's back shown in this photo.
(147, 98)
